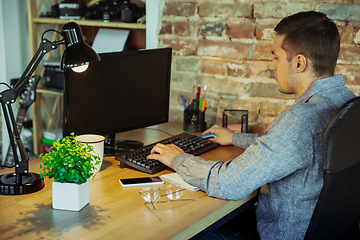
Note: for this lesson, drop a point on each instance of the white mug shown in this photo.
(97, 141)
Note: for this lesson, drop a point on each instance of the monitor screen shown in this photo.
(124, 91)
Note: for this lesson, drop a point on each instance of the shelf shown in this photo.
(93, 23)
(49, 91)
(137, 38)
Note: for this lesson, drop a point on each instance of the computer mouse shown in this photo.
(210, 135)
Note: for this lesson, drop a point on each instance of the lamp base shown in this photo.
(31, 182)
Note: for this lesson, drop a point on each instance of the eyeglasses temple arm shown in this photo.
(172, 192)
(153, 204)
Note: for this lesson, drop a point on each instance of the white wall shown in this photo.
(14, 50)
(153, 7)
(2, 64)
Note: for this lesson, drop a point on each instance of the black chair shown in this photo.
(337, 212)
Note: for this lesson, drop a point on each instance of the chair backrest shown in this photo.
(337, 212)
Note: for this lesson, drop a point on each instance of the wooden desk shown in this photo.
(115, 212)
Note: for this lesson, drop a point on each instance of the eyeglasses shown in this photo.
(152, 193)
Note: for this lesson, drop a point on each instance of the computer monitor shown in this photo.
(124, 91)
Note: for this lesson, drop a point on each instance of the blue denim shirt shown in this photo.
(285, 162)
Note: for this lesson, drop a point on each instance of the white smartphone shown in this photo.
(144, 181)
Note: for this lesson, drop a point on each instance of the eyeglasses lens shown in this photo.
(150, 193)
(174, 192)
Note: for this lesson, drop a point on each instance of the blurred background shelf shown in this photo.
(48, 100)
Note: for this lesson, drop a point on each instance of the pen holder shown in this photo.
(194, 120)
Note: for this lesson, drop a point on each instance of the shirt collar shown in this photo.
(321, 85)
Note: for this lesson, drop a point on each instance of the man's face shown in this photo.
(284, 71)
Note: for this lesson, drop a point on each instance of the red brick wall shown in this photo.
(226, 45)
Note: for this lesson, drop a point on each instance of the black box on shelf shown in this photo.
(54, 77)
(69, 11)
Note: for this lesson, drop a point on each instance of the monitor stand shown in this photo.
(113, 147)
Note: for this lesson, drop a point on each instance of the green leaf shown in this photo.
(69, 161)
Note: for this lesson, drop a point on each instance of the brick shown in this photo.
(260, 70)
(265, 90)
(175, 115)
(211, 106)
(211, 28)
(333, 1)
(179, 9)
(175, 100)
(166, 27)
(346, 34)
(265, 32)
(185, 28)
(221, 85)
(250, 70)
(262, 51)
(350, 73)
(228, 96)
(355, 89)
(270, 109)
(187, 64)
(183, 81)
(213, 66)
(350, 54)
(265, 121)
(241, 69)
(357, 35)
(179, 47)
(225, 10)
(232, 50)
(252, 105)
(240, 30)
(279, 9)
(343, 12)
(304, 1)
(231, 56)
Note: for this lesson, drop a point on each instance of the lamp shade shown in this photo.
(77, 52)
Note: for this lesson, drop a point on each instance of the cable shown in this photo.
(6, 85)
(161, 131)
(49, 30)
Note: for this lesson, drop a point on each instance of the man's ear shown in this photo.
(301, 63)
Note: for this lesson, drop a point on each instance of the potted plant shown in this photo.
(71, 164)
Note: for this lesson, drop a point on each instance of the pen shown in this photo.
(203, 97)
(200, 103)
(198, 92)
(184, 101)
(203, 105)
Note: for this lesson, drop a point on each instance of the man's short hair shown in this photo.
(313, 35)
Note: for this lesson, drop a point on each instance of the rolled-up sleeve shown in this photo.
(273, 156)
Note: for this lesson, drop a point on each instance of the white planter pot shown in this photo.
(70, 196)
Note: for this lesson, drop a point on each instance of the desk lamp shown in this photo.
(77, 56)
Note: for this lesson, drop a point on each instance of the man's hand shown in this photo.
(223, 135)
(164, 153)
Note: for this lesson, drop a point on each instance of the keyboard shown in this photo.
(189, 143)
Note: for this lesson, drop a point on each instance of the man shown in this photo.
(285, 161)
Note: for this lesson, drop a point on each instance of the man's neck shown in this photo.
(305, 83)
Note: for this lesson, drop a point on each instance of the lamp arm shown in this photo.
(44, 47)
(9, 96)
(22, 181)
